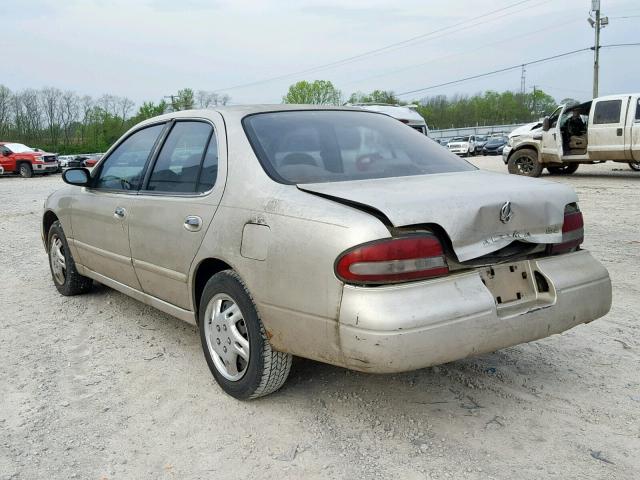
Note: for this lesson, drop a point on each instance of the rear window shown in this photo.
(332, 146)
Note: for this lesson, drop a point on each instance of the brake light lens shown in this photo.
(393, 260)
(572, 231)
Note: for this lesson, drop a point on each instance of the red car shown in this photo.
(89, 161)
(18, 158)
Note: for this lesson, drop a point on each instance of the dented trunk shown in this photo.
(480, 211)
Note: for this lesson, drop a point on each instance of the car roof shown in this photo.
(240, 111)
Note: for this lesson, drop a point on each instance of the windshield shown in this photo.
(308, 146)
(497, 140)
(18, 147)
(460, 139)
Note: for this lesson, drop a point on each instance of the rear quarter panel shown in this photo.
(293, 285)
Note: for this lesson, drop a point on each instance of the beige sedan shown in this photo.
(334, 234)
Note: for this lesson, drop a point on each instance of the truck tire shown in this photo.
(235, 342)
(635, 166)
(525, 162)
(63, 269)
(25, 170)
(564, 169)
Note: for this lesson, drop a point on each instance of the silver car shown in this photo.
(334, 234)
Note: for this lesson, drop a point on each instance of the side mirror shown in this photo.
(76, 176)
(545, 124)
(6, 153)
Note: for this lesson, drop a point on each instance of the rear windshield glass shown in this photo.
(334, 146)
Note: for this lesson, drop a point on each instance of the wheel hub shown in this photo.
(227, 337)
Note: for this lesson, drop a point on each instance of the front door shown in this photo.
(170, 216)
(606, 139)
(100, 213)
(551, 151)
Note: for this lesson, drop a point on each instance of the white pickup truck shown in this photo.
(611, 133)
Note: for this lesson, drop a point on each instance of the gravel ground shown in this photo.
(102, 387)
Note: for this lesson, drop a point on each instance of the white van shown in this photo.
(405, 113)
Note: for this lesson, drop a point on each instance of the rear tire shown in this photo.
(525, 162)
(235, 342)
(635, 166)
(63, 268)
(25, 170)
(565, 169)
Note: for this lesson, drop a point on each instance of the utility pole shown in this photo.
(596, 23)
(523, 80)
(173, 101)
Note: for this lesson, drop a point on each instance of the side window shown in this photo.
(607, 111)
(209, 171)
(638, 111)
(177, 168)
(123, 170)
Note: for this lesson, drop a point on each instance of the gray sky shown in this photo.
(145, 49)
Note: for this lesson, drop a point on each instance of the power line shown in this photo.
(395, 71)
(513, 67)
(501, 70)
(620, 45)
(377, 50)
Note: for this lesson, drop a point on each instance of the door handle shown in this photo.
(119, 212)
(193, 223)
(619, 132)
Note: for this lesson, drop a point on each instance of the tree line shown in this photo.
(66, 122)
(440, 111)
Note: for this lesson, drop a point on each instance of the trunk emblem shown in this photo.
(506, 213)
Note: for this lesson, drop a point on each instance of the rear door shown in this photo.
(551, 150)
(100, 214)
(606, 132)
(635, 130)
(171, 214)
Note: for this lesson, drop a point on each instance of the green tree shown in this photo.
(318, 92)
(569, 101)
(488, 108)
(184, 100)
(150, 109)
(377, 96)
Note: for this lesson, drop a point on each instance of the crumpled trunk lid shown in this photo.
(472, 207)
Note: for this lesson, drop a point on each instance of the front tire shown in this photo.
(235, 342)
(63, 268)
(565, 169)
(635, 166)
(525, 162)
(25, 170)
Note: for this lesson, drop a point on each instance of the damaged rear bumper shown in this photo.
(416, 325)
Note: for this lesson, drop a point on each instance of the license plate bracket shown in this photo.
(509, 283)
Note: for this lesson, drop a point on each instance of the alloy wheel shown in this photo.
(57, 259)
(525, 164)
(227, 337)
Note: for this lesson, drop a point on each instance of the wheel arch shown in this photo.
(48, 219)
(525, 145)
(206, 269)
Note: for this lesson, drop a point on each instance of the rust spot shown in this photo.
(269, 334)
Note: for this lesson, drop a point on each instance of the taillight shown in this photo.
(572, 230)
(393, 260)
